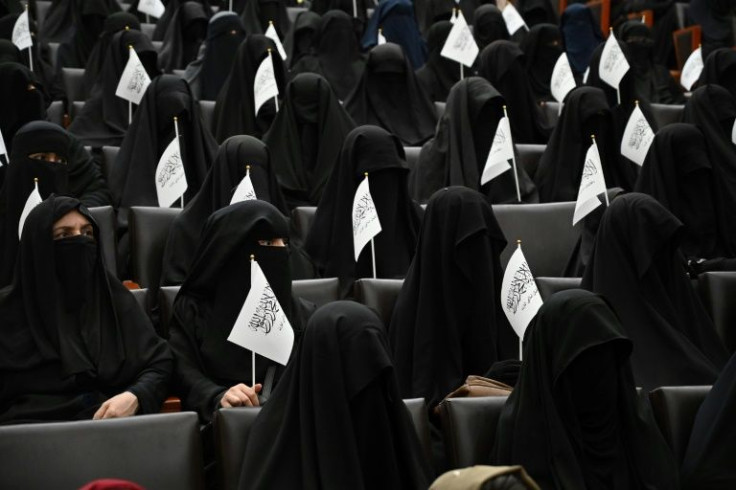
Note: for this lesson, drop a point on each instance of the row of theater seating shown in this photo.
(165, 451)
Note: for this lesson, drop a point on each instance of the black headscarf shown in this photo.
(720, 69)
(389, 95)
(458, 152)
(207, 74)
(581, 34)
(65, 17)
(235, 106)
(74, 52)
(217, 190)
(542, 48)
(585, 113)
(212, 296)
(74, 335)
(104, 118)
(329, 243)
(306, 137)
(132, 177)
(430, 12)
(680, 175)
(258, 13)
(573, 420)
(172, 6)
(396, 20)
(502, 64)
(448, 323)
(488, 26)
(301, 40)
(438, 74)
(321, 7)
(9, 52)
(336, 419)
(708, 459)
(119, 21)
(537, 12)
(637, 266)
(22, 97)
(183, 37)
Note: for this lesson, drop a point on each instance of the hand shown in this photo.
(241, 396)
(123, 405)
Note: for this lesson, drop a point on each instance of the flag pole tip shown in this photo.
(592, 136)
(130, 46)
(247, 167)
(252, 257)
(127, 28)
(636, 102)
(365, 174)
(176, 119)
(35, 179)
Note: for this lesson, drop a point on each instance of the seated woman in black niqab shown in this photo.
(257, 14)
(448, 323)
(75, 343)
(584, 113)
(574, 420)
(235, 106)
(217, 192)
(430, 12)
(210, 371)
(301, 40)
(183, 37)
(338, 397)
(457, 154)
(489, 26)
(438, 74)
(372, 150)
(306, 137)
(44, 151)
(720, 69)
(103, 121)
(90, 22)
(390, 96)
(542, 48)
(638, 267)
(23, 98)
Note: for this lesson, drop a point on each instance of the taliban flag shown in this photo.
(34, 199)
(613, 65)
(592, 184)
(245, 190)
(134, 81)
(460, 45)
(692, 69)
(502, 150)
(366, 224)
(513, 19)
(638, 137)
(274, 36)
(22, 32)
(264, 84)
(171, 180)
(520, 297)
(562, 80)
(154, 8)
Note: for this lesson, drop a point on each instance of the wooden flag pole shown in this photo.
(276, 97)
(252, 353)
(521, 339)
(592, 136)
(373, 245)
(513, 162)
(176, 132)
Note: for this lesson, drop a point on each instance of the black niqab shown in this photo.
(183, 37)
(542, 48)
(301, 40)
(227, 171)
(388, 95)
(339, 399)
(22, 98)
(65, 17)
(257, 15)
(62, 358)
(637, 266)
(574, 420)
(447, 322)
(91, 21)
(338, 53)
(438, 74)
(581, 34)
(457, 154)
(329, 243)
(430, 12)
(306, 138)
(172, 7)
(720, 69)
(488, 26)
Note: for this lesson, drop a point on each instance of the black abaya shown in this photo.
(438, 74)
(447, 322)
(64, 17)
(573, 420)
(336, 419)
(73, 335)
(227, 171)
(185, 33)
(258, 13)
(329, 243)
(720, 69)
(23, 99)
(637, 266)
(90, 21)
(301, 40)
(488, 26)
(542, 47)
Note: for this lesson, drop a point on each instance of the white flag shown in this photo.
(154, 8)
(273, 35)
(22, 32)
(585, 75)
(613, 65)
(134, 81)
(381, 37)
(171, 180)
(512, 17)
(520, 297)
(638, 137)
(691, 69)
(592, 183)
(264, 86)
(460, 45)
(733, 133)
(502, 150)
(245, 190)
(366, 224)
(34, 199)
(262, 326)
(453, 16)
(3, 150)
(562, 80)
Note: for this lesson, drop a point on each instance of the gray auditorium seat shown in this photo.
(469, 429)
(178, 73)
(140, 297)
(301, 220)
(718, 293)
(293, 12)
(318, 291)
(55, 112)
(665, 114)
(53, 54)
(149, 230)
(76, 108)
(529, 156)
(551, 112)
(157, 45)
(107, 224)
(42, 7)
(551, 285)
(380, 295)
(207, 109)
(155, 451)
(675, 408)
(439, 109)
(148, 29)
(546, 233)
(73, 80)
(109, 155)
(167, 295)
(412, 156)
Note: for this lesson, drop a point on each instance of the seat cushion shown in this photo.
(380, 295)
(149, 230)
(675, 408)
(551, 285)
(106, 223)
(718, 290)
(318, 291)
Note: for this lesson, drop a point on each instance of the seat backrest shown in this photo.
(469, 428)
(178, 73)
(207, 109)
(301, 221)
(157, 45)
(155, 451)
(665, 114)
(109, 154)
(686, 40)
(675, 408)
(140, 297)
(167, 295)
(149, 230)
(439, 108)
(42, 6)
(417, 408)
(148, 29)
(318, 291)
(76, 108)
(380, 295)
(73, 79)
(55, 112)
(718, 290)
(546, 233)
(412, 156)
(551, 112)
(529, 156)
(551, 285)
(53, 54)
(106, 223)
(293, 13)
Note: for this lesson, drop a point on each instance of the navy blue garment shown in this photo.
(399, 25)
(580, 34)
